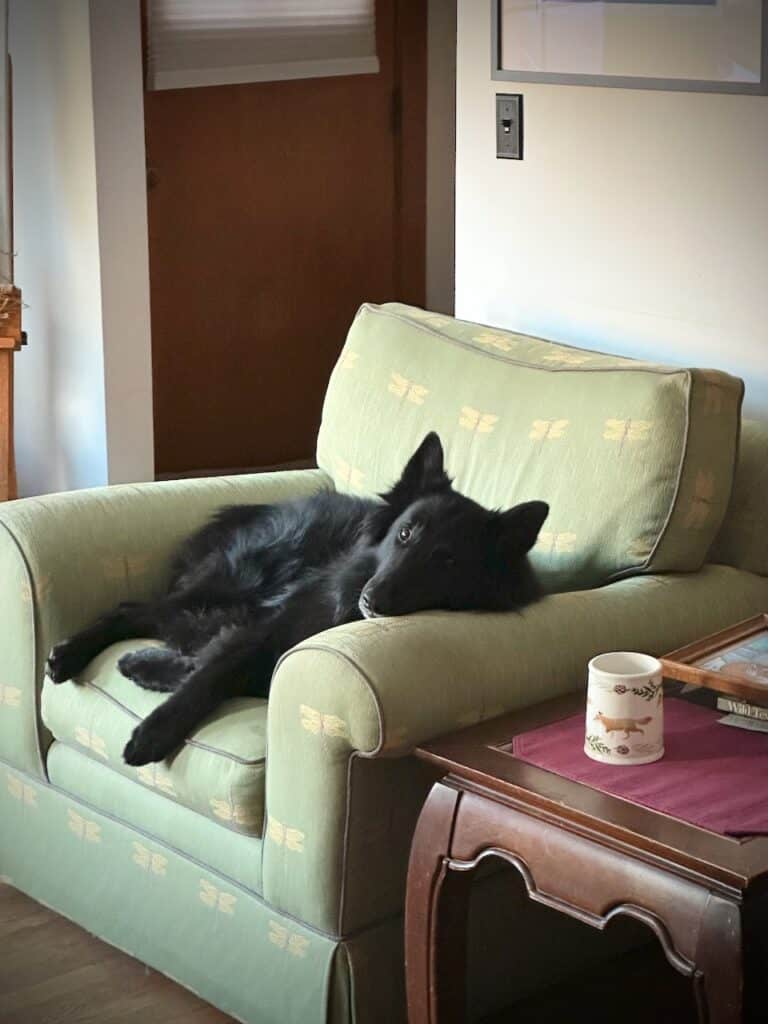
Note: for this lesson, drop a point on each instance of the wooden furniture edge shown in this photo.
(11, 340)
(477, 754)
(676, 664)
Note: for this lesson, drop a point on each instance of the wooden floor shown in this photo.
(53, 972)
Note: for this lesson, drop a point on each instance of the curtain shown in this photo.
(215, 42)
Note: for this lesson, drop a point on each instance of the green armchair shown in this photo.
(264, 865)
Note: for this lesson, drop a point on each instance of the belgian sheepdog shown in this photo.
(257, 579)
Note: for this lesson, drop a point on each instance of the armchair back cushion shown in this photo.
(635, 459)
(743, 540)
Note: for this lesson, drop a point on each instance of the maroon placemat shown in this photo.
(711, 775)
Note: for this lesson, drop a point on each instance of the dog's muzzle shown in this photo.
(366, 606)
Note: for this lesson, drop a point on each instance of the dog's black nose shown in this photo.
(366, 604)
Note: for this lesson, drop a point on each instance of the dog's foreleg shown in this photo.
(232, 665)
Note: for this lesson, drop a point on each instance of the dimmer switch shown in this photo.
(509, 126)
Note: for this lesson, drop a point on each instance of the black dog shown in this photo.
(258, 579)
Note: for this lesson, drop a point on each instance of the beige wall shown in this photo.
(637, 222)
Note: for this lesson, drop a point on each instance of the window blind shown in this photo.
(216, 42)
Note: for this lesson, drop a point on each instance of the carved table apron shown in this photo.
(700, 914)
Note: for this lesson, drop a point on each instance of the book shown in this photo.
(743, 722)
(740, 707)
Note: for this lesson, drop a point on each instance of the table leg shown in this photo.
(436, 917)
(719, 985)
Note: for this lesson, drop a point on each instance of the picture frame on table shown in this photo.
(733, 661)
(686, 45)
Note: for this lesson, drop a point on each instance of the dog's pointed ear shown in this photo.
(424, 473)
(518, 528)
(425, 470)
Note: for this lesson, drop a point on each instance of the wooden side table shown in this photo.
(10, 342)
(586, 854)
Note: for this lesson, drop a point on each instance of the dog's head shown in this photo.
(443, 550)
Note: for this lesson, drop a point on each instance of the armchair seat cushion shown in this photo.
(219, 771)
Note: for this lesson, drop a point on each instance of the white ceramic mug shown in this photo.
(625, 709)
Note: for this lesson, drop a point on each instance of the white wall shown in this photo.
(118, 105)
(6, 241)
(441, 153)
(81, 245)
(60, 420)
(637, 222)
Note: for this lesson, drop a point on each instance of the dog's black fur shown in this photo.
(258, 579)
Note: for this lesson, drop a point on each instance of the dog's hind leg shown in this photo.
(234, 664)
(70, 657)
(156, 668)
(128, 621)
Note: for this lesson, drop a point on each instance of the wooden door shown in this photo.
(275, 209)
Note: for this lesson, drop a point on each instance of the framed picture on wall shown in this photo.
(686, 45)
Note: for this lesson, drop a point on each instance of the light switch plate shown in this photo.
(509, 126)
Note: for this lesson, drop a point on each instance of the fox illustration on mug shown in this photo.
(625, 725)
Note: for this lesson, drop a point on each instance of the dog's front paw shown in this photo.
(151, 741)
(67, 659)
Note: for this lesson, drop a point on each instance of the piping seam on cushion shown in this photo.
(191, 743)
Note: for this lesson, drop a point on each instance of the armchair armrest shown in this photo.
(67, 558)
(345, 703)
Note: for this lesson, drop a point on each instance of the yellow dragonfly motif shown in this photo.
(567, 358)
(20, 790)
(476, 715)
(556, 543)
(479, 422)
(349, 475)
(317, 722)
(10, 696)
(713, 399)
(149, 861)
(548, 430)
(398, 737)
(293, 943)
(82, 828)
(156, 778)
(432, 319)
(348, 359)
(124, 567)
(627, 430)
(41, 589)
(91, 742)
(237, 814)
(500, 341)
(641, 547)
(701, 503)
(714, 391)
(407, 389)
(281, 834)
(215, 898)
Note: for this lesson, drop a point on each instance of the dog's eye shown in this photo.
(404, 534)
